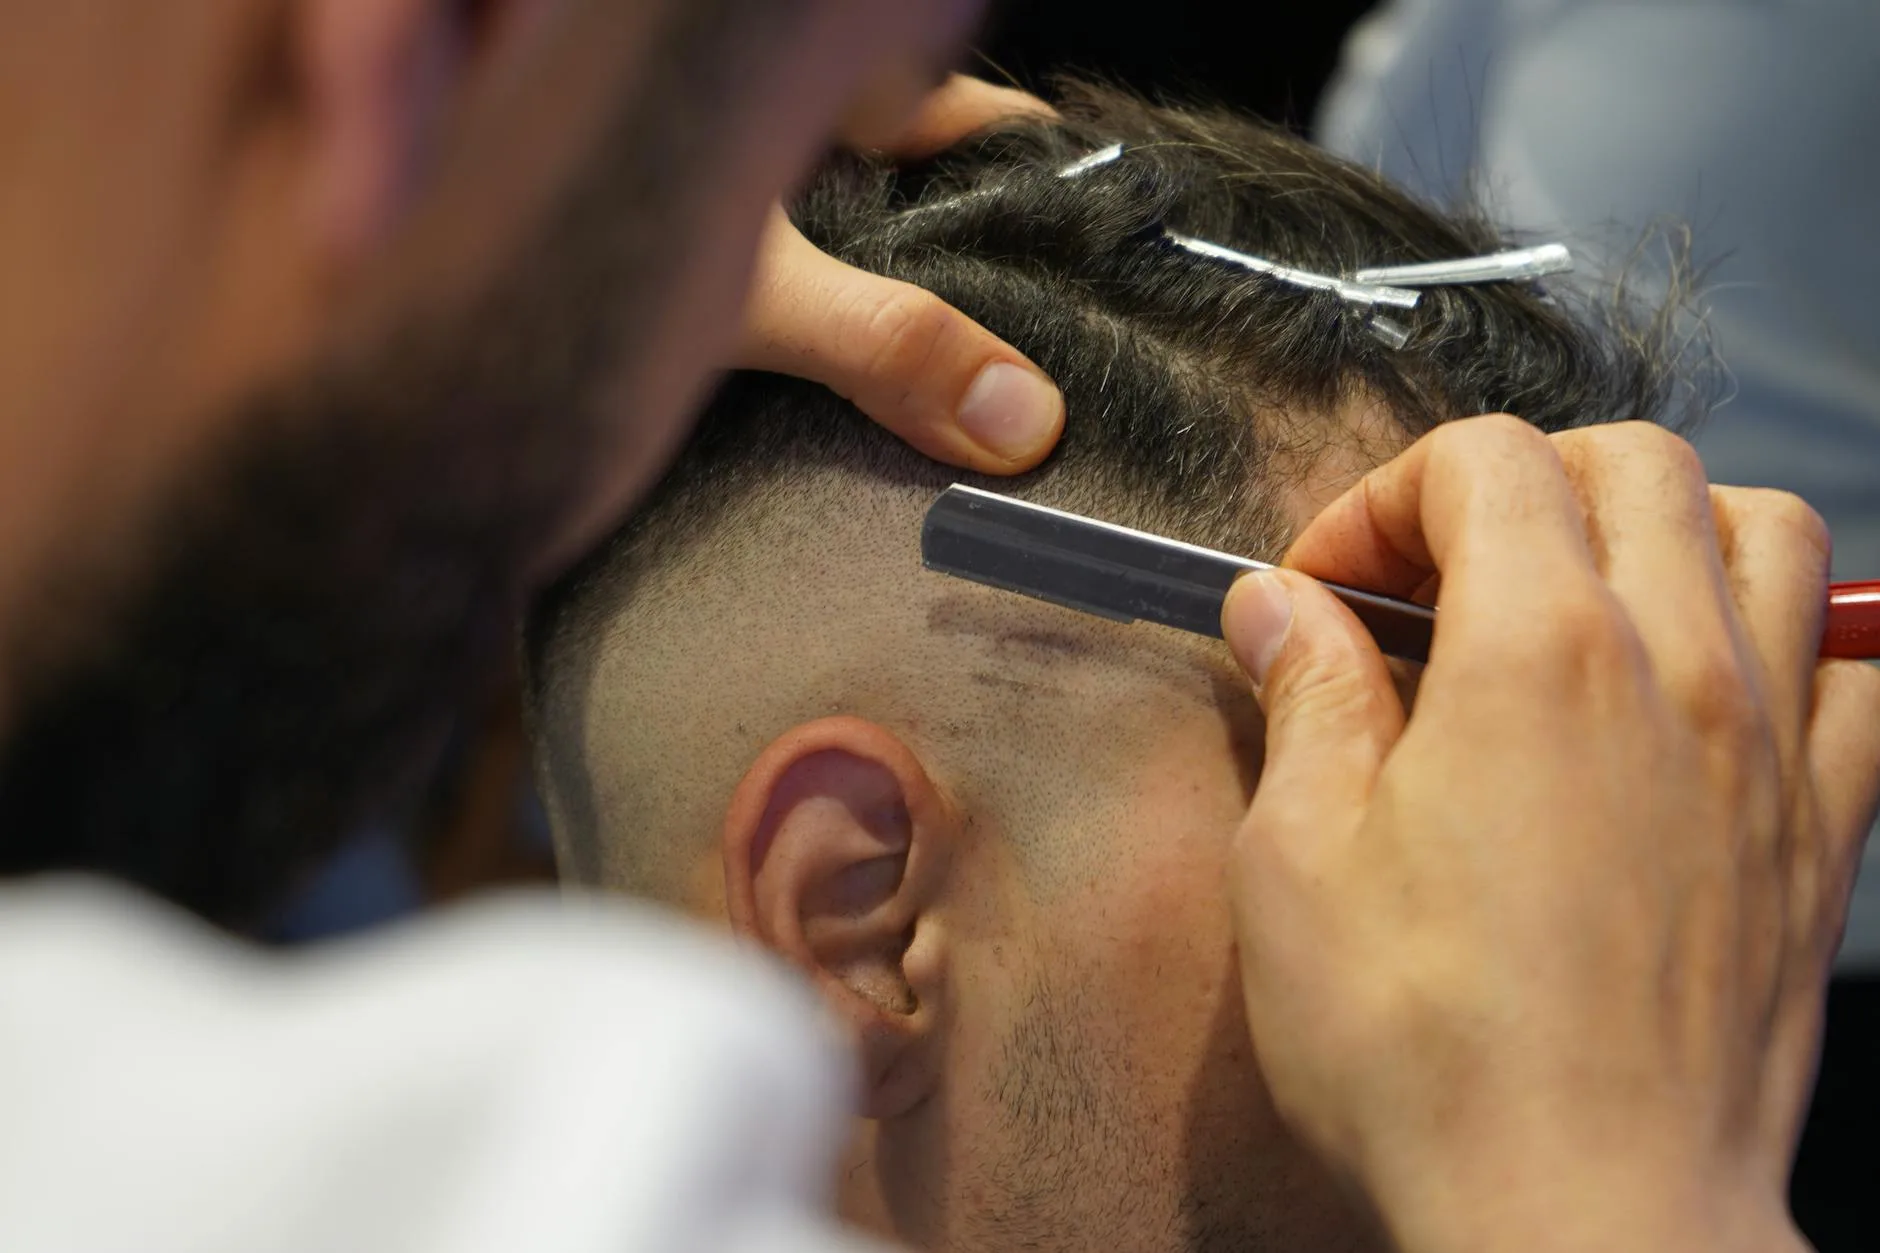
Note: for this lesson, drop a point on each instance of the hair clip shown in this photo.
(1388, 331)
(1083, 165)
(1500, 267)
(1390, 286)
(1358, 293)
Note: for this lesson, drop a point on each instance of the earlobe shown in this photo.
(835, 850)
(376, 76)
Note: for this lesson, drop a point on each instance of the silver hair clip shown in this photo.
(1391, 286)
(1083, 165)
(1393, 334)
(1358, 293)
(1501, 267)
(1513, 266)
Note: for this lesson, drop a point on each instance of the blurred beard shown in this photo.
(316, 607)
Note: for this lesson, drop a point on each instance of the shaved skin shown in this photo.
(1092, 1021)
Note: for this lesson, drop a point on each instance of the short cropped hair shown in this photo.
(1195, 391)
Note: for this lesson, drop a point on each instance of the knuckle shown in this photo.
(1669, 455)
(1495, 444)
(1325, 690)
(1718, 696)
(1317, 685)
(1590, 622)
(1679, 457)
(1788, 515)
(1672, 449)
(1466, 436)
(1506, 425)
(905, 333)
(1581, 634)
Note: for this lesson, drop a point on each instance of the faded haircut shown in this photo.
(1196, 392)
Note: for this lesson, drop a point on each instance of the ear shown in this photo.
(377, 75)
(835, 848)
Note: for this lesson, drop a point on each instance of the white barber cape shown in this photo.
(525, 1075)
(1757, 122)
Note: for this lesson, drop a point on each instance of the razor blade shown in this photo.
(1132, 576)
(1121, 574)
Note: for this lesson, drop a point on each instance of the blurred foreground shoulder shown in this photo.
(536, 1072)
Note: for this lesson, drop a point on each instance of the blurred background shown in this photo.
(1752, 123)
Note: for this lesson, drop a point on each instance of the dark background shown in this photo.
(1274, 59)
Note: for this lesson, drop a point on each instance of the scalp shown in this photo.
(774, 573)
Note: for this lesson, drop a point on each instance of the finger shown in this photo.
(1653, 534)
(1843, 753)
(1776, 553)
(1843, 750)
(1486, 503)
(1332, 710)
(960, 107)
(1332, 717)
(903, 356)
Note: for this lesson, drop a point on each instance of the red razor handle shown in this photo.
(1853, 621)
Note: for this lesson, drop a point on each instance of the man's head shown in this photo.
(297, 291)
(992, 830)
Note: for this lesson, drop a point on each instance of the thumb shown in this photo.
(960, 106)
(900, 354)
(1332, 711)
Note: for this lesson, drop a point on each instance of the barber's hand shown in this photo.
(903, 356)
(1543, 968)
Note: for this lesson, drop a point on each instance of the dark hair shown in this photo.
(1193, 388)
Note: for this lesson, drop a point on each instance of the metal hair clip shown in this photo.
(1392, 333)
(1358, 293)
(1083, 165)
(1391, 286)
(1499, 267)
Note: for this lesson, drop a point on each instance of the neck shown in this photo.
(861, 1199)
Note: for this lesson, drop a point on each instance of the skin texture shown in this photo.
(995, 835)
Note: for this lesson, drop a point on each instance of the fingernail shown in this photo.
(1255, 620)
(1011, 411)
